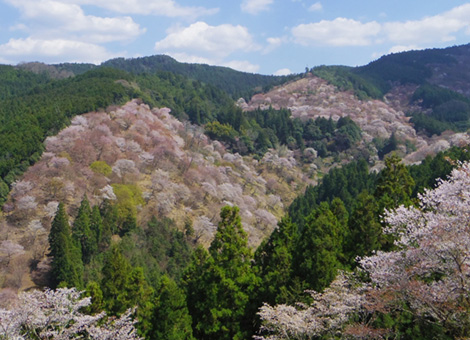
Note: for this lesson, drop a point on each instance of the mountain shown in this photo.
(251, 155)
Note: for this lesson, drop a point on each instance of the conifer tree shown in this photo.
(96, 225)
(365, 230)
(318, 250)
(66, 266)
(84, 238)
(116, 275)
(273, 260)
(395, 184)
(170, 318)
(219, 292)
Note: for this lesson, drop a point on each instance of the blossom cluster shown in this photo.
(429, 272)
(56, 314)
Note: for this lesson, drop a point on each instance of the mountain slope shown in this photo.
(150, 164)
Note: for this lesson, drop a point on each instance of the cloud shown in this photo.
(402, 34)
(167, 8)
(208, 41)
(255, 6)
(339, 32)
(438, 28)
(55, 50)
(317, 6)
(283, 72)
(49, 18)
(402, 48)
(239, 65)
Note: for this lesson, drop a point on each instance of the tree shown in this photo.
(67, 265)
(116, 275)
(58, 314)
(365, 230)
(426, 278)
(273, 261)
(395, 185)
(219, 284)
(170, 318)
(82, 234)
(319, 249)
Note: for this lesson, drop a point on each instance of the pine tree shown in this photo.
(66, 266)
(170, 318)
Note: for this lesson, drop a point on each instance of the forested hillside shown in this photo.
(147, 184)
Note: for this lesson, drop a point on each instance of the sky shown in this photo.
(257, 36)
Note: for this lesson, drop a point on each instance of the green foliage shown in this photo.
(345, 79)
(219, 283)
(222, 132)
(170, 318)
(319, 249)
(237, 84)
(365, 231)
(450, 110)
(407, 67)
(273, 261)
(84, 237)
(394, 184)
(101, 167)
(66, 265)
(129, 196)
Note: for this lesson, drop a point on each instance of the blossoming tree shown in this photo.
(427, 275)
(57, 315)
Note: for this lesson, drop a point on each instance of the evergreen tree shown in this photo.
(116, 276)
(365, 229)
(66, 266)
(318, 250)
(219, 291)
(82, 234)
(273, 260)
(140, 294)
(395, 185)
(93, 290)
(170, 318)
(96, 225)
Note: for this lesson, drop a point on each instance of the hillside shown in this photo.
(143, 183)
(173, 168)
(313, 97)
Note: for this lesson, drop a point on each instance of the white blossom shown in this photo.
(57, 315)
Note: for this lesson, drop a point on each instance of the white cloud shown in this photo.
(168, 8)
(403, 48)
(255, 6)
(208, 41)
(239, 65)
(50, 18)
(438, 28)
(339, 32)
(242, 65)
(56, 50)
(402, 35)
(283, 72)
(317, 6)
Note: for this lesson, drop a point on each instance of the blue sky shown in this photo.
(260, 36)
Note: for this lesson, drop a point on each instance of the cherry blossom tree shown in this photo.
(57, 315)
(427, 275)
